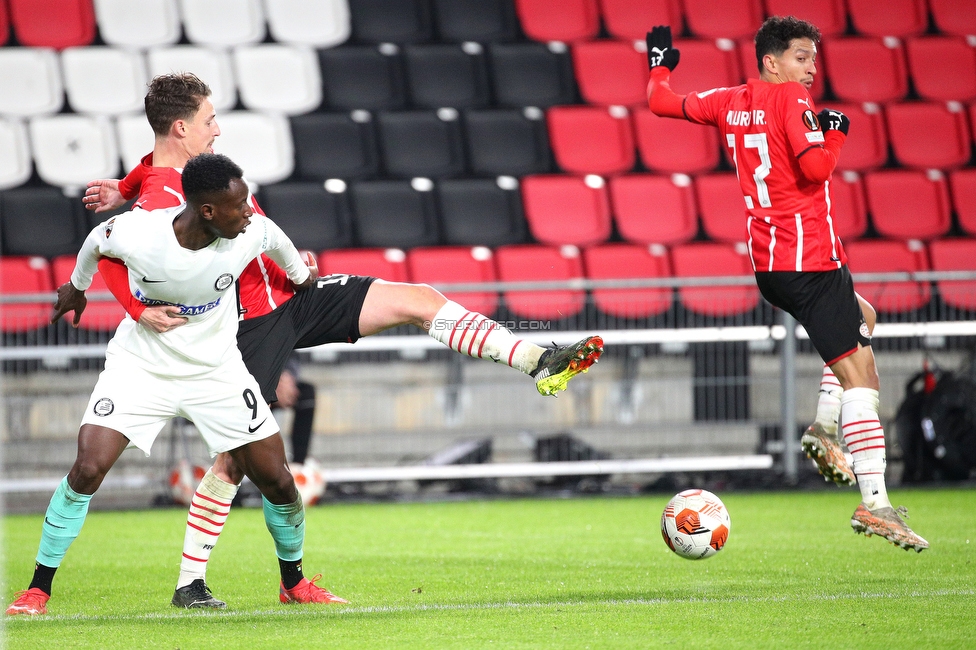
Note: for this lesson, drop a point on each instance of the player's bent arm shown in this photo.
(283, 252)
(818, 163)
(86, 264)
(663, 101)
(159, 319)
(130, 185)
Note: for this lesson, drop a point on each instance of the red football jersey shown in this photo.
(767, 127)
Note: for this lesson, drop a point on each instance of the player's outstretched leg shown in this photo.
(560, 364)
(820, 442)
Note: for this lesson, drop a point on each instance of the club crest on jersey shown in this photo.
(810, 120)
(109, 227)
(224, 281)
(103, 407)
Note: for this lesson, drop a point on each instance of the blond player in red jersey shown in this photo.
(784, 152)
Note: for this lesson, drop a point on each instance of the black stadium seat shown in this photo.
(532, 74)
(395, 214)
(314, 218)
(447, 74)
(41, 221)
(335, 145)
(475, 20)
(363, 76)
(508, 141)
(421, 143)
(481, 211)
(391, 21)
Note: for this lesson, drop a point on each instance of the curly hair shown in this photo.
(776, 33)
(208, 173)
(174, 97)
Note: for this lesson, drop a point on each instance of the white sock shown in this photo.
(208, 512)
(476, 335)
(828, 404)
(865, 440)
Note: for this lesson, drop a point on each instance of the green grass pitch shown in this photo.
(533, 573)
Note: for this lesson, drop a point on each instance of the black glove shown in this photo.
(831, 120)
(659, 48)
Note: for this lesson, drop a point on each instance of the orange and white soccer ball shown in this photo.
(309, 480)
(695, 524)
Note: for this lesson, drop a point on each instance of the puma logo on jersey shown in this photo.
(803, 101)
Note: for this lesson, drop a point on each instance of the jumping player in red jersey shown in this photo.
(784, 152)
(276, 320)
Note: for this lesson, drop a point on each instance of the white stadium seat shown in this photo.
(211, 65)
(104, 80)
(135, 138)
(319, 23)
(223, 22)
(260, 143)
(15, 159)
(30, 81)
(279, 78)
(138, 24)
(70, 150)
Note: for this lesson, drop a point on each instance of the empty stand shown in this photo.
(259, 142)
(102, 316)
(40, 221)
(591, 139)
(532, 74)
(311, 215)
(104, 80)
(335, 145)
(632, 19)
(963, 185)
(955, 255)
(223, 22)
(385, 263)
(886, 256)
(395, 214)
(15, 157)
(481, 211)
(317, 23)
(929, 134)
(70, 150)
(651, 209)
(705, 64)
(866, 146)
(391, 21)
(720, 203)
(453, 265)
(621, 261)
(564, 209)
(30, 81)
(507, 142)
(943, 67)
(830, 16)
(421, 143)
(278, 78)
(19, 275)
(53, 23)
(447, 74)
(889, 18)
(611, 72)
(708, 259)
(847, 210)
(907, 204)
(847, 60)
(669, 145)
(723, 18)
(148, 23)
(475, 20)
(532, 262)
(135, 138)
(363, 76)
(559, 20)
(212, 65)
(954, 16)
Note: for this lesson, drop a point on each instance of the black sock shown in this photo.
(291, 572)
(43, 577)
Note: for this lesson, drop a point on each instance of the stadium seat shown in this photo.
(454, 265)
(507, 142)
(955, 255)
(421, 143)
(830, 16)
(447, 74)
(363, 76)
(385, 263)
(746, 49)
(391, 21)
(335, 145)
(481, 211)
(475, 20)
(223, 22)
(15, 156)
(954, 17)
(707, 259)
(847, 210)
(135, 139)
(145, 24)
(212, 65)
(315, 216)
(652, 209)
(259, 142)
(591, 139)
(559, 20)
(943, 68)
(886, 256)
(866, 146)
(532, 74)
(675, 146)
(723, 18)
(890, 18)
(40, 221)
(962, 183)
(846, 60)
(625, 261)
(723, 212)
(929, 134)
(104, 80)
(278, 78)
(20, 275)
(30, 81)
(611, 72)
(395, 214)
(4, 23)
(316, 23)
(531, 262)
(70, 150)
(101, 315)
(908, 204)
(564, 209)
(53, 23)
(631, 19)
(705, 64)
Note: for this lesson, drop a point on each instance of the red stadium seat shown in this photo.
(705, 64)
(591, 139)
(103, 316)
(19, 275)
(708, 259)
(456, 264)
(669, 145)
(829, 16)
(523, 263)
(963, 186)
(943, 67)
(4, 23)
(867, 143)
(955, 255)
(889, 18)
(865, 69)
(617, 261)
(385, 263)
(611, 72)
(652, 209)
(564, 209)
(723, 18)
(887, 256)
(908, 204)
(954, 16)
(750, 68)
(559, 20)
(723, 211)
(631, 19)
(53, 23)
(929, 134)
(847, 210)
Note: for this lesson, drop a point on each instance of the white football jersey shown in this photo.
(200, 283)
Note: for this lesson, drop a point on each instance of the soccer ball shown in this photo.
(183, 481)
(309, 481)
(695, 524)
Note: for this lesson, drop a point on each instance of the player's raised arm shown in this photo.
(662, 58)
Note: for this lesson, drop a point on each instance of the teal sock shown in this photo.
(287, 527)
(62, 522)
